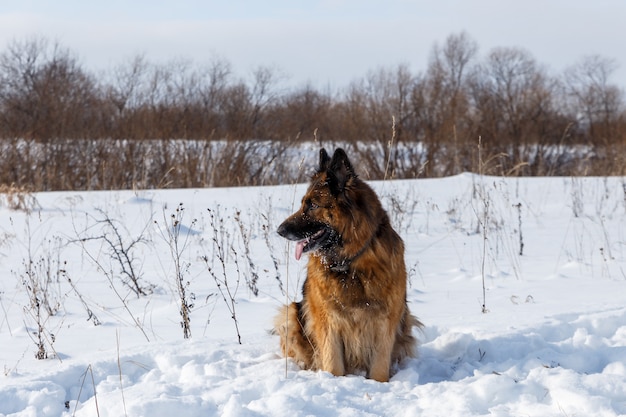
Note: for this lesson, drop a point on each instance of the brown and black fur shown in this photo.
(353, 315)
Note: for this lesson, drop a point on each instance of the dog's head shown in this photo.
(314, 226)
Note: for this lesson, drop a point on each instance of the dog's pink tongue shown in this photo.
(299, 249)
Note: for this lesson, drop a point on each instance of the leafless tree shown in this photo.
(596, 102)
(179, 124)
(441, 105)
(45, 94)
(514, 98)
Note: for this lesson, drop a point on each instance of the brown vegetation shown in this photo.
(181, 124)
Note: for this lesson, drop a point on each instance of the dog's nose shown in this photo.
(282, 230)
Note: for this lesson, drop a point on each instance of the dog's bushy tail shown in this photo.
(289, 325)
(406, 344)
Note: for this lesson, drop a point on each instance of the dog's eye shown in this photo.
(311, 205)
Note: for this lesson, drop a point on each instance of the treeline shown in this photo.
(182, 124)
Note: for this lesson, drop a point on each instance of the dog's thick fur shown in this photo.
(353, 315)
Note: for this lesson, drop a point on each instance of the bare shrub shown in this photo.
(120, 258)
(121, 249)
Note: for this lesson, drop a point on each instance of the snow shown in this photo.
(552, 341)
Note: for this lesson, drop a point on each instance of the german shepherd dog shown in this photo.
(353, 316)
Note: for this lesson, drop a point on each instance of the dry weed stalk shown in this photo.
(484, 221)
(251, 281)
(221, 245)
(38, 277)
(91, 316)
(89, 371)
(265, 227)
(178, 243)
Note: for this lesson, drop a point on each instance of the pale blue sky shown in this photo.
(329, 42)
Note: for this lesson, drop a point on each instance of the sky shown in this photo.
(323, 43)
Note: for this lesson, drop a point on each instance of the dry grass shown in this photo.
(17, 198)
(108, 164)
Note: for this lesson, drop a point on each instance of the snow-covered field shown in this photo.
(551, 343)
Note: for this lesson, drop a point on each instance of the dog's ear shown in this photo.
(340, 171)
(324, 160)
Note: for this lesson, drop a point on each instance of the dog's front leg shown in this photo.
(381, 358)
(332, 353)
